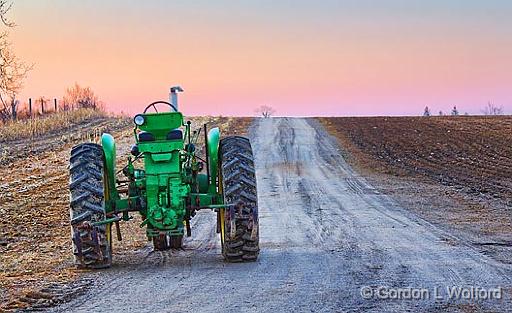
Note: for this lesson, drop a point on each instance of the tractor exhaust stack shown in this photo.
(173, 95)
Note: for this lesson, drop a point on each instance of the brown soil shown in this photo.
(455, 172)
(35, 256)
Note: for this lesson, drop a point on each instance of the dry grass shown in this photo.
(36, 266)
(34, 221)
(21, 129)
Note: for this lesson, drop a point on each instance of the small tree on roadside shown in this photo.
(266, 111)
(441, 113)
(426, 112)
(455, 111)
(492, 109)
(77, 97)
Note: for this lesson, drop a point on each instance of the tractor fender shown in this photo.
(108, 144)
(213, 157)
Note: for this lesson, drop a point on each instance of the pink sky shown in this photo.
(301, 57)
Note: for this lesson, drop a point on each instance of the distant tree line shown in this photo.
(489, 109)
(75, 97)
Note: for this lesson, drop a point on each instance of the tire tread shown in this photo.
(239, 185)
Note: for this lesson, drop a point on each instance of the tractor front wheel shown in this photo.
(176, 242)
(239, 222)
(92, 245)
(161, 242)
(166, 242)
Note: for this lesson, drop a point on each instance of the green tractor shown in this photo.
(171, 184)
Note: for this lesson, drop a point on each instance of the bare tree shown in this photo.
(266, 111)
(12, 76)
(492, 109)
(5, 6)
(12, 70)
(426, 112)
(80, 97)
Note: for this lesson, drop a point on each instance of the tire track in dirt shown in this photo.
(325, 233)
(34, 224)
(35, 267)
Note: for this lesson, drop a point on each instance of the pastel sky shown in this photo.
(304, 58)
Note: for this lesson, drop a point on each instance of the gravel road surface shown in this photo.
(326, 235)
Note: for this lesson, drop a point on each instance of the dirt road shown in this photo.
(325, 234)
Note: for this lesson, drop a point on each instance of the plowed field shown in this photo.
(473, 154)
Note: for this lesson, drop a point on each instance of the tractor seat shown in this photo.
(175, 134)
(146, 136)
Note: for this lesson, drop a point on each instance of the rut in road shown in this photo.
(325, 233)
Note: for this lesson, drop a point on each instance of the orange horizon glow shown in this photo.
(303, 58)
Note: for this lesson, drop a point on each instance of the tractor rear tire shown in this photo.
(92, 245)
(241, 235)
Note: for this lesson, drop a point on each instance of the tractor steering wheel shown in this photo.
(158, 102)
